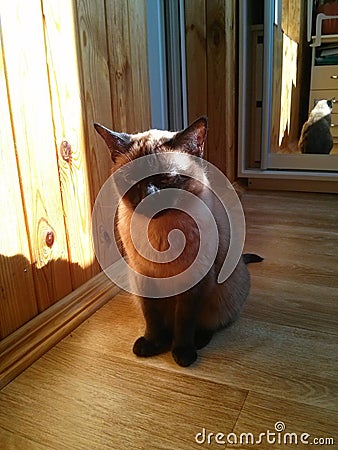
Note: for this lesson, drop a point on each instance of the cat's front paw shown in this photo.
(143, 347)
(184, 356)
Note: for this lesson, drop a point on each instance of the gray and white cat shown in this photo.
(184, 322)
(316, 135)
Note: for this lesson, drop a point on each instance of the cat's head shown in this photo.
(330, 102)
(324, 107)
(177, 146)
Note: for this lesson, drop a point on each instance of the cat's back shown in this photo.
(316, 135)
(316, 138)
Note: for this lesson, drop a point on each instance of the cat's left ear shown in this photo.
(192, 138)
(116, 142)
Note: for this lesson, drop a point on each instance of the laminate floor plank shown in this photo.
(262, 413)
(84, 399)
(251, 354)
(290, 303)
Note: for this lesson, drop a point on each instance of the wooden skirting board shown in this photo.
(20, 349)
(330, 187)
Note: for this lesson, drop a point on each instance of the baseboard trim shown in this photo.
(293, 185)
(21, 348)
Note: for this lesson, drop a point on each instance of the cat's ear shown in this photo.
(116, 142)
(192, 138)
(330, 102)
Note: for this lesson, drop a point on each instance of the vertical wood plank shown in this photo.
(212, 75)
(231, 90)
(123, 102)
(66, 94)
(216, 83)
(17, 296)
(291, 19)
(96, 106)
(276, 88)
(139, 64)
(196, 46)
(93, 53)
(24, 53)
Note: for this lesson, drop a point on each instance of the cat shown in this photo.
(316, 135)
(185, 322)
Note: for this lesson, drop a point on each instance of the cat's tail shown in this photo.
(251, 258)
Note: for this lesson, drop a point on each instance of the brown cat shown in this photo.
(316, 137)
(186, 321)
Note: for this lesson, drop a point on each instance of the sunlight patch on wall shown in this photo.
(62, 59)
(289, 80)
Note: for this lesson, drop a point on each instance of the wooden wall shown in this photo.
(211, 39)
(63, 65)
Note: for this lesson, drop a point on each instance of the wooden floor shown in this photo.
(278, 363)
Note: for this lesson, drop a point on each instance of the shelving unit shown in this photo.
(324, 77)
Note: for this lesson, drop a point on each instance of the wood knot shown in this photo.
(66, 151)
(49, 239)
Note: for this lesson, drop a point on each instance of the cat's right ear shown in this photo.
(331, 102)
(192, 138)
(116, 142)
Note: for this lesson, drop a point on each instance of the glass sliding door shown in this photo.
(300, 119)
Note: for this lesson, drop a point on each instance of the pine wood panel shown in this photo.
(128, 65)
(212, 75)
(97, 101)
(196, 53)
(55, 94)
(231, 90)
(120, 66)
(216, 83)
(34, 137)
(18, 301)
(291, 18)
(139, 64)
(64, 83)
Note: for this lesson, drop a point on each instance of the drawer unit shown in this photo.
(334, 127)
(320, 94)
(324, 77)
(324, 85)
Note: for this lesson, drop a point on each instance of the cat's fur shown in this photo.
(316, 135)
(187, 321)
